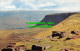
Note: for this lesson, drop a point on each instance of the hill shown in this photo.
(18, 19)
(69, 24)
(17, 35)
(55, 18)
(38, 36)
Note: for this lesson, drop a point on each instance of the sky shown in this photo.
(56, 5)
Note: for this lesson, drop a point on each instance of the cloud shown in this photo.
(37, 4)
(63, 5)
(6, 5)
(10, 6)
(5, 2)
(47, 4)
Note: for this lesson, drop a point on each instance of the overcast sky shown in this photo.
(59, 5)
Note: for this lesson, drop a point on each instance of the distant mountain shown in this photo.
(18, 19)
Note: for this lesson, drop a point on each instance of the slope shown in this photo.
(16, 35)
(71, 23)
(56, 18)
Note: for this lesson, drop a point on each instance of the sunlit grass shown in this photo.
(69, 24)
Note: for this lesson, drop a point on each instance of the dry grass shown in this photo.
(69, 24)
(16, 35)
(40, 37)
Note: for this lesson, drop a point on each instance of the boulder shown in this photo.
(75, 32)
(36, 48)
(6, 49)
(64, 50)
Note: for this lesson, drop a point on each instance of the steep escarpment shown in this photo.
(56, 18)
(71, 23)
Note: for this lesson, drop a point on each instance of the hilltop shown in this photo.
(38, 36)
(68, 25)
(55, 18)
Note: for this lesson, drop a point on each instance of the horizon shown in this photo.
(35, 10)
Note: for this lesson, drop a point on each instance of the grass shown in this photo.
(40, 35)
(7, 36)
(69, 24)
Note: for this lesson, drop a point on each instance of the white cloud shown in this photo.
(47, 4)
(6, 5)
(5, 2)
(67, 9)
(65, 5)
(10, 6)
(27, 0)
(36, 4)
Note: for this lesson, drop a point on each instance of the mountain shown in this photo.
(38, 36)
(55, 18)
(70, 23)
(18, 19)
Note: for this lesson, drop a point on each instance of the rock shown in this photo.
(75, 32)
(55, 33)
(64, 50)
(36, 48)
(6, 49)
(71, 49)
